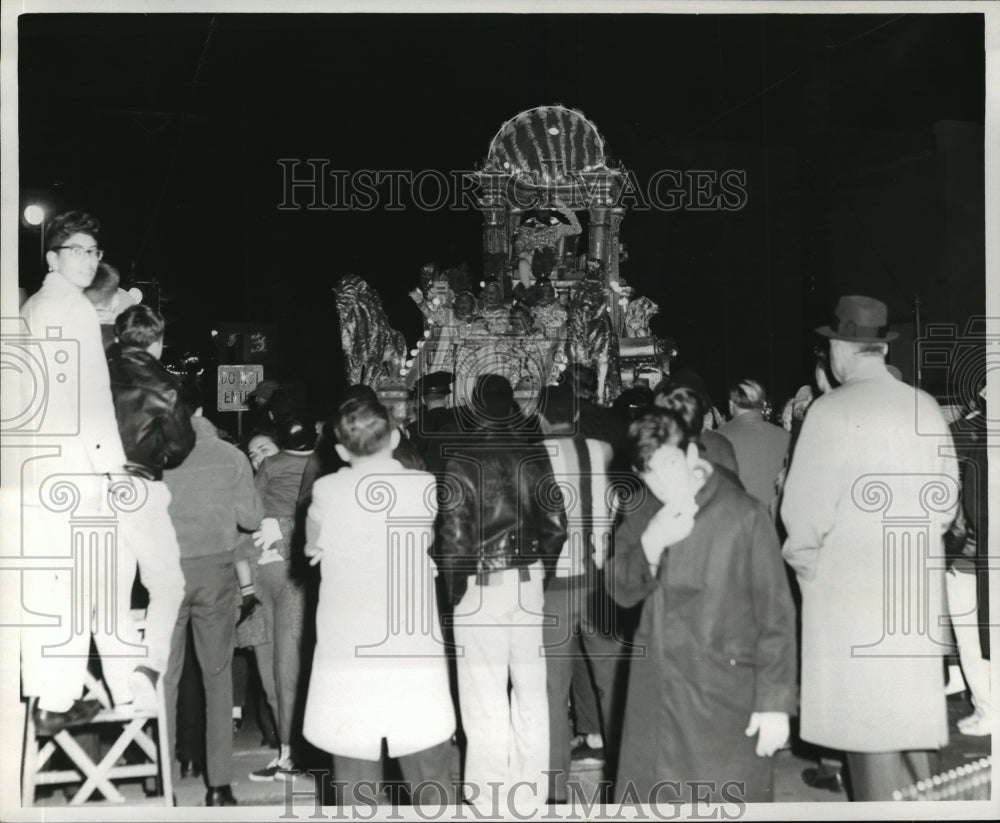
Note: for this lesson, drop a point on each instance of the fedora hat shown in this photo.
(860, 319)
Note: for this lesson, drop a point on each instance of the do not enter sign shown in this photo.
(235, 384)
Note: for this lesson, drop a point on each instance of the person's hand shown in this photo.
(248, 607)
(669, 525)
(268, 534)
(417, 296)
(314, 553)
(771, 729)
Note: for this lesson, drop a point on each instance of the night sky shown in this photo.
(169, 128)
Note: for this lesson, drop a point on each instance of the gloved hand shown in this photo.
(248, 607)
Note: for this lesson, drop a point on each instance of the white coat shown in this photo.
(870, 491)
(380, 668)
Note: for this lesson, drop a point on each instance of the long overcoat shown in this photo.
(870, 491)
(715, 643)
(380, 669)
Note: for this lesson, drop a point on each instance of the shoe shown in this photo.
(275, 770)
(220, 796)
(817, 778)
(142, 687)
(585, 754)
(975, 725)
(190, 768)
(80, 713)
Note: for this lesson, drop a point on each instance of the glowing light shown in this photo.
(34, 215)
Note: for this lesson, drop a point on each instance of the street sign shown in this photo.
(235, 383)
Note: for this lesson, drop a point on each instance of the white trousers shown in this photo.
(498, 632)
(963, 608)
(87, 592)
(151, 542)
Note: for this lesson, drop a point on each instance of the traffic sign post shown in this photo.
(235, 383)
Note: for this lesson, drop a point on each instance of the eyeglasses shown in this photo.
(80, 251)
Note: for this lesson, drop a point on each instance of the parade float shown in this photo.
(550, 292)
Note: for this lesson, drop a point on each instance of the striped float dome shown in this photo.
(547, 137)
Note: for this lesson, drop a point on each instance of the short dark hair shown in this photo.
(493, 395)
(685, 401)
(363, 426)
(139, 325)
(557, 404)
(295, 433)
(633, 402)
(104, 286)
(360, 391)
(192, 394)
(653, 429)
(63, 226)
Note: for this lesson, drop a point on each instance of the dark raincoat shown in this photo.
(716, 642)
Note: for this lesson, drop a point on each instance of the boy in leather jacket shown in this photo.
(502, 526)
(156, 433)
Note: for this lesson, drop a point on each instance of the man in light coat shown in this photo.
(380, 671)
(79, 461)
(869, 494)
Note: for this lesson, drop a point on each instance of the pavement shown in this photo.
(250, 754)
(788, 766)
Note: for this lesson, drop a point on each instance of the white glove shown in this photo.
(268, 534)
(773, 731)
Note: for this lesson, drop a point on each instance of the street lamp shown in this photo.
(34, 215)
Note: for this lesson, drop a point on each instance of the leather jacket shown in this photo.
(500, 509)
(154, 424)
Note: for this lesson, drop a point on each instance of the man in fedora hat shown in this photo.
(872, 678)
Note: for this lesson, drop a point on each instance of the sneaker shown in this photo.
(275, 770)
(976, 724)
(587, 754)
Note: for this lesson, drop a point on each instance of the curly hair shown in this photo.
(63, 226)
(685, 401)
(139, 325)
(653, 429)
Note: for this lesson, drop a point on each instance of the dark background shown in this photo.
(861, 137)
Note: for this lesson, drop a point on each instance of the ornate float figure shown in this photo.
(637, 316)
(539, 242)
(373, 350)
